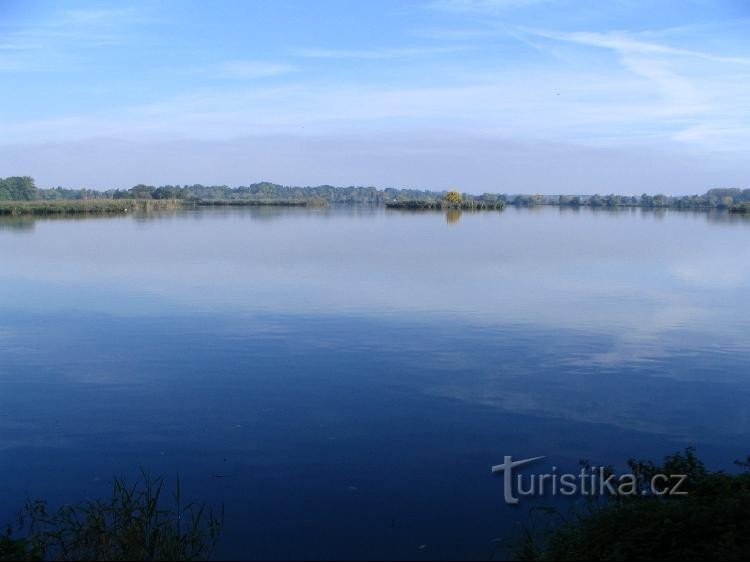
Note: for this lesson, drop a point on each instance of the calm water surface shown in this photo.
(343, 379)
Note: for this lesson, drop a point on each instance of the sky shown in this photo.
(510, 96)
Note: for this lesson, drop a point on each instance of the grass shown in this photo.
(86, 206)
(124, 206)
(136, 522)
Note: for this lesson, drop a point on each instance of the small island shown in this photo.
(453, 200)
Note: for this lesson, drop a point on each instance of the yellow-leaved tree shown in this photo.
(453, 197)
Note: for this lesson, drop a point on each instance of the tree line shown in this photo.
(24, 189)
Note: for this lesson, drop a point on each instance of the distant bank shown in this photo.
(20, 195)
(124, 206)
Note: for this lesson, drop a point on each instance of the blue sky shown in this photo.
(488, 95)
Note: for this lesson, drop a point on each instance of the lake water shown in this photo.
(342, 380)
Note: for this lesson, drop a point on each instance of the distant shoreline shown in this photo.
(20, 196)
(125, 206)
(119, 207)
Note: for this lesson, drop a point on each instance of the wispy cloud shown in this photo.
(481, 6)
(15, 45)
(455, 34)
(698, 91)
(376, 54)
(100, 16)
(497, 108)
(599, 87)
(626, 43)
(43, 45)
(85, 27)
(252, 69)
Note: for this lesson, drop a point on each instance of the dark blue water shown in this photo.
(342, 380)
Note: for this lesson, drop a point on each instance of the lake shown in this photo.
(342, 379)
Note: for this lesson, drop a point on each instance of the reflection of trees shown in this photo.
(17, 224)
(728, 218)
(27, 223)
(266, 213)
(452, 216)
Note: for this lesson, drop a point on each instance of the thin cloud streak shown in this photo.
(250, 70)
(481, 6)
(377, 54)
(624, 43)
(47, 45)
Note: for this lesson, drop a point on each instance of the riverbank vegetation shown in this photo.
(23, 189)
(136, 522)
(85, 206)
(711, 522)
(123, 206)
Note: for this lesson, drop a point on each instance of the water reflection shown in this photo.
(452, 216)
(327, 356)
(17, 224)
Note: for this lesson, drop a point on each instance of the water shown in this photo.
(343, 379)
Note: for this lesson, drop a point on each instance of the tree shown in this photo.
(613, 201)
(141, 191)
(18, 189)
(453, 197)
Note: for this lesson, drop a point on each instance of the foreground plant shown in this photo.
(711, 522)
(132, 524)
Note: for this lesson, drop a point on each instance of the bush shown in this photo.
(712, 522)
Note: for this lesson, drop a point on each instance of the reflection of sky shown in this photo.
(623, 291)
(326, 357)
(631, 275)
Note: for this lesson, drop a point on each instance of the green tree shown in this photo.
(18, 189)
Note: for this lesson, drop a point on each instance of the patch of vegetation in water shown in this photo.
(124, 206)
(453, 200)
(85, 207)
